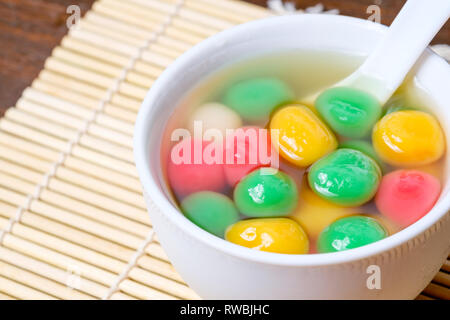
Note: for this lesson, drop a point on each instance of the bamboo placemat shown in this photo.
(73, 220)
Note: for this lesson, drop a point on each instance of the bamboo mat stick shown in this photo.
(94, 64)
(217, 23)
(19, 171)
(18, 116)
(94, 51)
(78, 254)
(22, 292)
(154, 58)
(158, 52)
(103, 55)
(46, 271)
(79, 204)
(109, 122)
(157, 15)
(201, 7)
(4, 296)
(101, 187)
(14, 128)
(65, 216)
(23, 159)
(48, 113)
(38, 96)
(122, 296)
(59, 87)
(139, 274)
(170, 43)
(119, 149)
(11, 197)
(126, 102)
(55, 289)
(192, 17)
(105, 31)
(120, 222)
(233, 7)
(442, 278)
(27, 148)
(69, 70)
(162, 283)
(156, 250)
(113, 24)
(4, 225)
(120, 113)
(84, 254)
(30, 161)
(160, 267)
(155, 18)
(135, 91)
(122, 151)
(83, 75)
(61, 261)
(26, 108)
(107, 56)
(99, 201)
(424, 297)
(117, 35)
(58, 145)
(87, 62)
(136, 79)
(62, 90)
(108, 148)
(64, 81)
(157, 59)
(180, 24)
(446, 266)
(24, 187)
(76, 236)
(110, 176)
(165, 6)
(81, 223)
(16, 184)
(437, 291)
(105, 160)
(181, 29)
(143, 292)
(106, 43)
(88, 255)
(86, 225)
(7, 211)
(89, 90)
(135, 32)
(90, 77)
(163, 49)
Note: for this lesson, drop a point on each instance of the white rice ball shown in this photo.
(215, 116)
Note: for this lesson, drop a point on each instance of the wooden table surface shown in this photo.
(30, 29)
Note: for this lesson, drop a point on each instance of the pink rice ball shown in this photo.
(405, 196)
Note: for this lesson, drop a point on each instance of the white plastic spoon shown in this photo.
(405, 41)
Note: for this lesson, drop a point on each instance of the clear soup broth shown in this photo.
(304, 72)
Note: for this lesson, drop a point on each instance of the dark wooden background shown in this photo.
(29, 29)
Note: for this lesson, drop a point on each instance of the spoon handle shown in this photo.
(408, 36)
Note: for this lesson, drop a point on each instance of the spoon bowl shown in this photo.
(216, 269)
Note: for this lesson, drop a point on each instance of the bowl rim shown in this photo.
(170, 212)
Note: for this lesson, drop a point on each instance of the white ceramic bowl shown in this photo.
(217, 269)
